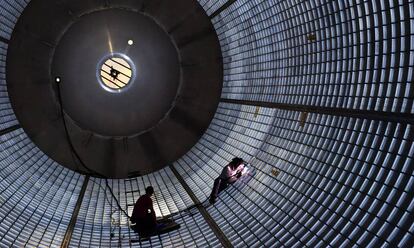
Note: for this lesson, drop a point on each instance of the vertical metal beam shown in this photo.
(213, 225)
(222, 8)
(9, 129)
(71, 226)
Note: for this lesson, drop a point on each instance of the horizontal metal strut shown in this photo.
(4, 40)
(404, 118)
(9, 129)
(222, 8)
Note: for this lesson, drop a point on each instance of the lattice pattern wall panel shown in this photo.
(340, 54)
(10, 11)
(7, 117)
(329, 181)
(37, 196)
(210, 6)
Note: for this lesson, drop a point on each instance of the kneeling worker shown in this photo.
(143, 214)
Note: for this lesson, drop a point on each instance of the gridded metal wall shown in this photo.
(210, 6)
(99, 215)
(37, 196)
(6, 112)
(242, 220)
(343, 54)
(10, 11)
(323, 180)
(336, 181)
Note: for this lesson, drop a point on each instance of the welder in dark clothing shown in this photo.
(143, 214)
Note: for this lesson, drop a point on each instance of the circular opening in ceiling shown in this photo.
(115, 72)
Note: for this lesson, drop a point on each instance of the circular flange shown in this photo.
(175, 75)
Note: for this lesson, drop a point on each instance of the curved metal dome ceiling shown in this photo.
(317, 96)
(171, 92)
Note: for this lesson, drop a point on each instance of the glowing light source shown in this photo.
(115, 72)
(130, 42)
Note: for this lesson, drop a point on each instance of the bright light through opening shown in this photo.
(115, 73)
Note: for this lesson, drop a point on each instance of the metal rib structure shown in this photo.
(317, 97)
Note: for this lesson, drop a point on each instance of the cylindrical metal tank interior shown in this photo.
(317, 96)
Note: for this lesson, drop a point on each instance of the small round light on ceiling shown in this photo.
(130, 42)
(57, 79)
